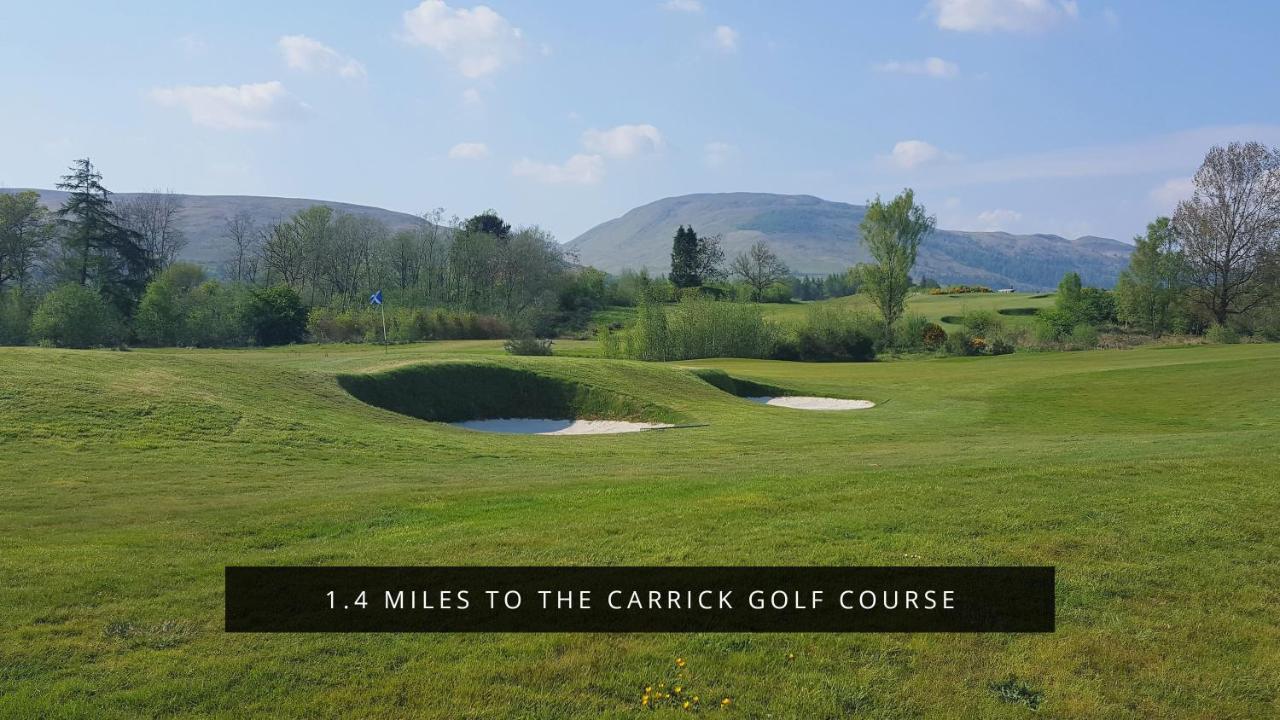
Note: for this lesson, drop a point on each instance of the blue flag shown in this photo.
(376, 298)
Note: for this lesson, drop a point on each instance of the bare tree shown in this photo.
(25, 229)
(243, 233)
(156, 217)
(1230, 229)
(759, 267)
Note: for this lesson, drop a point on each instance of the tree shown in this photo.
(891, 233)
(1151, 287)
(25, 228)
(1229, 230)
(276, 315)
(684, 257)
(154, 217)
(99, 251)
(162, 315)
(75, 316)
(242, 231)
(695, 260)
(759, 267)
(488, 222)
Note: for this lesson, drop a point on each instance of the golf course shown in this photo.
(129, 480)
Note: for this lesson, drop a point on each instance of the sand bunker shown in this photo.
(800, 402)
(539, 426)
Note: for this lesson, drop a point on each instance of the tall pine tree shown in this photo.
(99, 252)
(684, 258)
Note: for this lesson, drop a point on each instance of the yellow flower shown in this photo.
(726, 702)
(791, 656)
(695, 698)
(648, 688)
(685, 705)
(644, 700)
(678, 689)
(680, 662)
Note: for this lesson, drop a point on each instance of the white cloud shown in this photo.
(911, 154)
(469, 151)
(310, 55)
(623, 141)
(687, 6)
(998, 219)
(477, 42)
(719, 154)
(1168, 194)
(931, 66)
(577, 170)
(725, 38)
(1001, 15)
(231, 107)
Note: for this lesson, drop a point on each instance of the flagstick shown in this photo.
(383, 311)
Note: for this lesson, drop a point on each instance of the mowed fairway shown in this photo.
(128, 480)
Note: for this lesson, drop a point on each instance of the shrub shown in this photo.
(528, 345)
(981, 322)
(1052, 325)
(1222, 335)
(909, 335)
(933, 336)
(276, 316)
(162, 314)
(1083, 337)
(1001, 344)
(215, 317)
(833, 335)
(75, 316)
(15, 317)
(961, 344)
(698, 327)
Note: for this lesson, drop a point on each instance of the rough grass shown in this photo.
(1148, 477)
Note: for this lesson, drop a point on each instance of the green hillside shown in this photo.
(818, 236)
(128, 480)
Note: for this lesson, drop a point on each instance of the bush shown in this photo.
(1222, 335)
(909, 334)
(832, 335)
(77, 317)
(276, 316)
(527, 345)
(15, 317)
(698, 327)
(961, 343)
(933, 336)
(981, 322)
(1083, 337)
(364, 324)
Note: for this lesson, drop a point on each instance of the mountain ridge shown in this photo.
(816, 236)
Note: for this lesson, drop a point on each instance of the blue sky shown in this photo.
(1022, 115)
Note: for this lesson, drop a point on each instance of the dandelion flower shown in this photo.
(680, 662)
(726, 702)
(644, 700)
(685, 705)
(677, 690)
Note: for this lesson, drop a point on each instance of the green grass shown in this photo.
(1015, 308)
(1148, 477)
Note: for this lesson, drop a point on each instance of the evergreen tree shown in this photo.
(684, 258)
(99, 252)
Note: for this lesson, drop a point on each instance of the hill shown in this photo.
(818, 236)
(204, 217)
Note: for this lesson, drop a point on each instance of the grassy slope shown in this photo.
(128, 480)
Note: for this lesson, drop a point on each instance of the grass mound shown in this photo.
(454, 391)
(736, 386)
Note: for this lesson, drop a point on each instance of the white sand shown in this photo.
(799, 402)
(540, 426)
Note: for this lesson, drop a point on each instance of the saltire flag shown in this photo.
(376, 298)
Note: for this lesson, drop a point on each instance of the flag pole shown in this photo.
(383, 311)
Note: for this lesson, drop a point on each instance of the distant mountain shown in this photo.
(204, 217)
(818, 236)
